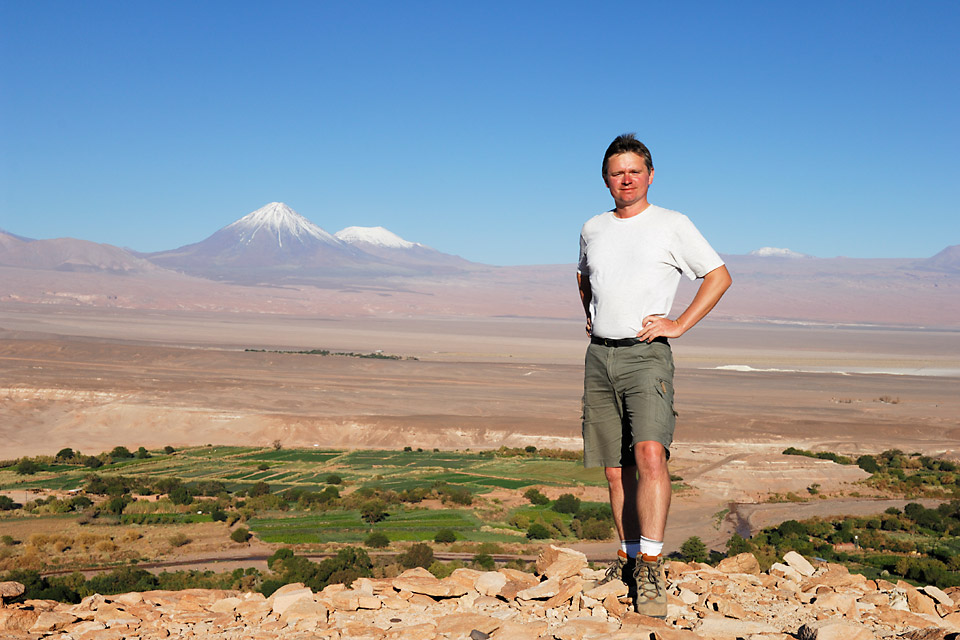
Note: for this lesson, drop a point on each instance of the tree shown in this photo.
(377, 540)
(277, 445)
(259, 489)
(693, 550)
(538, 532)
(737, 545)
(536, 497)
(419, 555)
(26, 467)
(868, 464)
(445, 535)
(334, 479)
(92, 462)
(240, 534)
(65, 454)
(181, 495)
(373, 511)
(485, 561)
(567, 503)
(142, 453)
(120, 453)
(168, 449)
(7, 503)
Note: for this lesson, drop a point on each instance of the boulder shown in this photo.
(10, 590)
(741, 563)
(798, 563)
(560, 563)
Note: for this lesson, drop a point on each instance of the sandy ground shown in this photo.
(92, 379)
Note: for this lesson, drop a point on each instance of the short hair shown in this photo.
(627, 143)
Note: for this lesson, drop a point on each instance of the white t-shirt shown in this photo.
(634, 265)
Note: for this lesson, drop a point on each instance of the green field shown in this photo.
(376, 472)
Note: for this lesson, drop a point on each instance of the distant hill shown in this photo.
(69, 254)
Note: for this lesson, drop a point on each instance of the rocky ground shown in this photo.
(562, 601)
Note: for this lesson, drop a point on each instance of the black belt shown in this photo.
(625, 342)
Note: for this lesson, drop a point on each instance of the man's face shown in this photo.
(628, 179)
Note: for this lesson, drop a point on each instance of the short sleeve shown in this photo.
(693, 254)
(583, 267)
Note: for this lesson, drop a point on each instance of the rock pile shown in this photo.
(735, 600)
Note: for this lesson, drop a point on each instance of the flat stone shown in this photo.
(281, 602)
(305, 609)
(49, 621)
(513, 630)
(112, 615)
(799, 563)
(568, 589)
(835, 630)
(560, 562)
(614, 587)
(490, 583)
(920, 603)
(939, 595)
(585, 629)
(463, 623)
(11, 589)
(429, 586)
(783, 571)
(544, 590)
(715, 625)
(741, 563)
(424, 631)
(225, 605)
(466, 578)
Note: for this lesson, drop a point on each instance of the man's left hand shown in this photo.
(656, 326)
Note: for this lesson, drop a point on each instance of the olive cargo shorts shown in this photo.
(627, 398)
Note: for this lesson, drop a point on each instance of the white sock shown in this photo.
(650, 547)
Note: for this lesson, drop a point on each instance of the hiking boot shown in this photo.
(651, 597)
(620, 569)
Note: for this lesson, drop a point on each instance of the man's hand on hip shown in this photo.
(656, 326)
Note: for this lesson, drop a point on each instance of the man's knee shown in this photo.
(614, 476)
(651, 456)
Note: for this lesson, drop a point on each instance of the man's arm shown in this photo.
(586, 295)
(714, 285)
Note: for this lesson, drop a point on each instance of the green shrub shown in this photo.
(693, 550)
(26, 467)
(485, 561)
(538, 532)
(240, 534)
(419, 555)
(259, 489)
(566, 503)
(536, 497)
(178, 540)
(445, 535)
(377, 540)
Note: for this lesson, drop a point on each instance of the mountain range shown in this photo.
(372, 270)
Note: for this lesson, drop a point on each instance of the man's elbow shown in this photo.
(721, 278)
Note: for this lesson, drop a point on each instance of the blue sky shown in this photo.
(478, 128)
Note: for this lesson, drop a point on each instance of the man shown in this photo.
(631, 259)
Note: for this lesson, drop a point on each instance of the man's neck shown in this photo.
(631, 210)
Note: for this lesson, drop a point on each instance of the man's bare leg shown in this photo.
(653, 494)
(622, 484)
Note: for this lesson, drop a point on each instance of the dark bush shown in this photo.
(259, 489)
(445, 535)
(240, 534)
(377, 540)
(419, 555)
(536, 497)
(566, 503)
(537, 531)
(485, 561)
(26, 467)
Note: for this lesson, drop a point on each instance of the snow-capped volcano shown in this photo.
(377, 236)
(278, 222)
(277, 244)
(272, 237)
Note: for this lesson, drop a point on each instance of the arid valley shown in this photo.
(93, 378)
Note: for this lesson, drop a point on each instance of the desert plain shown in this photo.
(92, 378)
